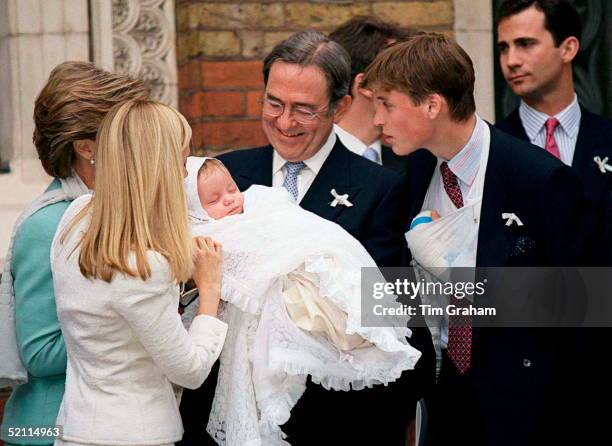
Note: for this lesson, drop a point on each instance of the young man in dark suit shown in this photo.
(537, 41)
(497, 386)
(363, 37)
(306, 90)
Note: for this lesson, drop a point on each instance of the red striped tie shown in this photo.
(459, 327)
(551, 145)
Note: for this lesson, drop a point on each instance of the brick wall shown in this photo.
(220, 45)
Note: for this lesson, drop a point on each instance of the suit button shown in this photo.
(526, 363)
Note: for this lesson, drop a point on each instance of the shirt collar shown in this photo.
(314, 163)
(465, 164)
(353, 143)
(533, 120)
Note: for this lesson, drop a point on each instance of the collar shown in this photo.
(354, 144)
(314, 163)
(533, 120)
(465, 164)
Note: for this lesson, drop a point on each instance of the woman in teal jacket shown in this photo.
(67, 114)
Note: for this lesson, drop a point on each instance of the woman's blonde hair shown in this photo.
(139, 203)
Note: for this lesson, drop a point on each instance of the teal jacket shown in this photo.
(39, 337)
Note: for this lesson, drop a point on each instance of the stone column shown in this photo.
(474, 32)
(35, 36)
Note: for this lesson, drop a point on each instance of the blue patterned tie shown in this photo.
(371, 154)
(290, 183)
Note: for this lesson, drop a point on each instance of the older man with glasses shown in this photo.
(307, 79)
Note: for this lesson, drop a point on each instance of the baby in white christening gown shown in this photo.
(292, 291)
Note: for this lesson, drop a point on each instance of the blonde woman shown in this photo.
(117, 259)
(67, 114)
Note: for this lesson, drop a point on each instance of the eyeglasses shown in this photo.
(301, 114)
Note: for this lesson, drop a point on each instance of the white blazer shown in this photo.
(125, 344)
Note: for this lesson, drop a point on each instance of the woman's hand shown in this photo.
(207, 258)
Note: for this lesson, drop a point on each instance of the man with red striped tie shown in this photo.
(501, 202)
(538, 40)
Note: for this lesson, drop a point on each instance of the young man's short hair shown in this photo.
(560, 18)
(426, 64)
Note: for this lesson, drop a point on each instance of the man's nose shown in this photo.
(513, 58)
(286, 120)
(378, 116)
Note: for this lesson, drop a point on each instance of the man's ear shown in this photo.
(569, 49)
(84, 148)
(433, 105)
(362, 91)
(341, 107)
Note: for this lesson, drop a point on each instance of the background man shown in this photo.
(537, 41)
(496, 386)
(306, 90)
(363, 37)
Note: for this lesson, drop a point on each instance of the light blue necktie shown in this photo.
(371, 154)
(290, 183)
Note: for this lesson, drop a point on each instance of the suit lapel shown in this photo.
(258, 171)
(589, 145)
(318, 198)
(494, 241)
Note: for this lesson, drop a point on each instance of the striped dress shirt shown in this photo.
(566, 133)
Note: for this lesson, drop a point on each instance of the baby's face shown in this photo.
(219, 195)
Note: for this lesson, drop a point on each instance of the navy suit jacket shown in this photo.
(521, 388)
(393, 161)
(594, 139)
(377, 219)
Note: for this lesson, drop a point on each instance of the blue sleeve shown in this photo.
(38, 333)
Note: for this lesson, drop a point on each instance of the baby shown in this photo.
(218, 193)
(292, 292)
(220, 197)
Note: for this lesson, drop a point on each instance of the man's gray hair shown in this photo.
(313, 48)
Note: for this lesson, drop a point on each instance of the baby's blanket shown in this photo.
(267, 358)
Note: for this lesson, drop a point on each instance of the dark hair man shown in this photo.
(307, 79)
(363, 37)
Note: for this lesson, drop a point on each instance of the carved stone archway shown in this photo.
(138, 37)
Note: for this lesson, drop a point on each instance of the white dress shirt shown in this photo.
(356, 145)
(467, 165)
(307, 175)
(566, 133)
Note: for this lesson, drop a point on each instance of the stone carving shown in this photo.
(143, 44)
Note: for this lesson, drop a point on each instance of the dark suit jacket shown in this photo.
(521, 388)
(594, 139)
(377, 219)
(394, 162)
